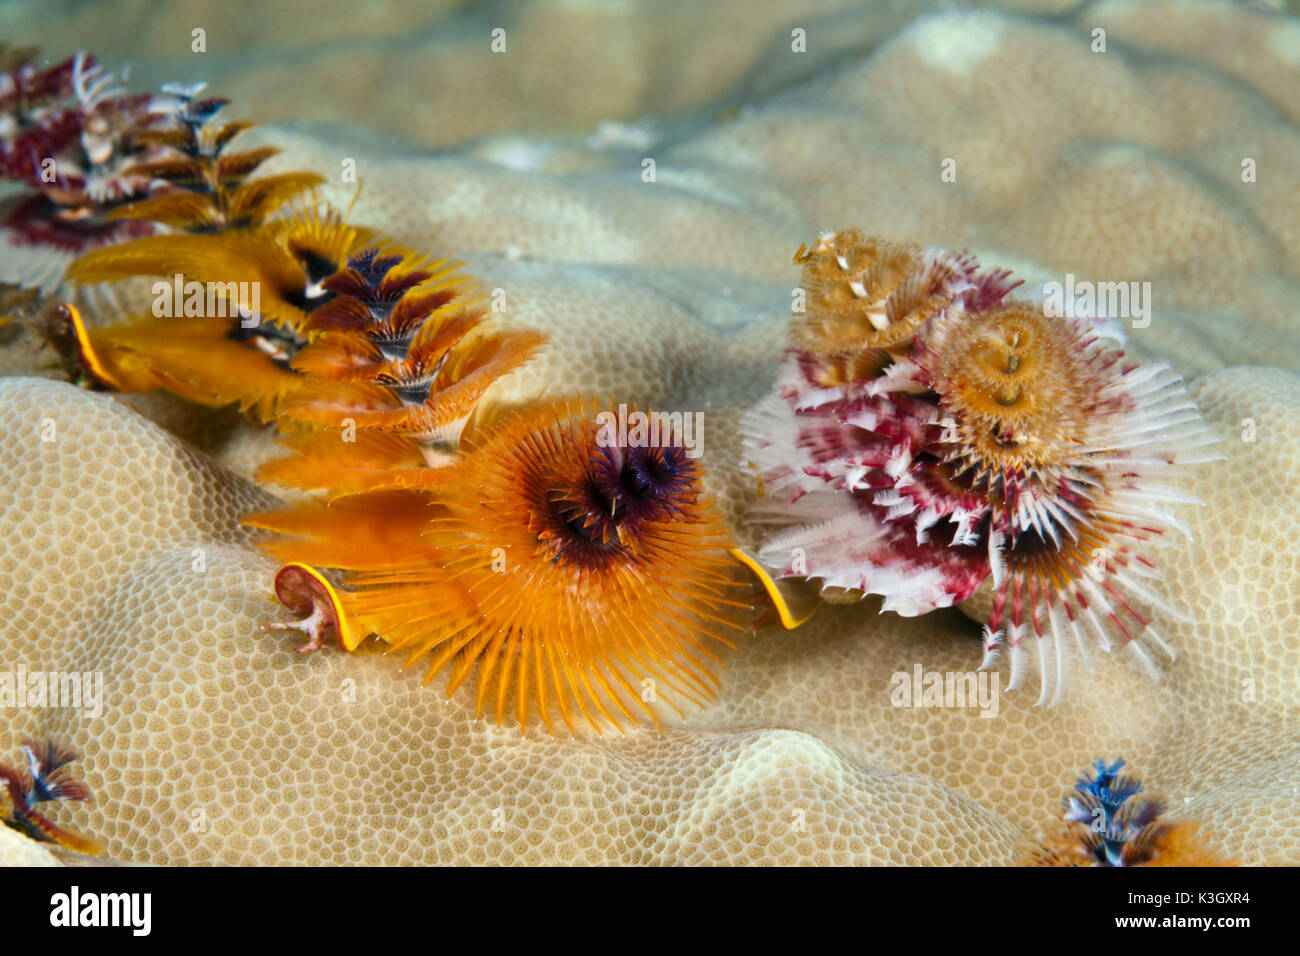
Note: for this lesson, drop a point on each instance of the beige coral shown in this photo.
(220, 744)
(17, 850)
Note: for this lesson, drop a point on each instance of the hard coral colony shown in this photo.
(929, 437)
(931, 440)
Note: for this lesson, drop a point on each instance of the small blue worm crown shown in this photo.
(1120, 820)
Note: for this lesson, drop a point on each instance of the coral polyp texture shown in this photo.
(1116, 166)
(1109, 821)
(995, 442)
(586, 580)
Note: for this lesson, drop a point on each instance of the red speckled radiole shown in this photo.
(928, 434)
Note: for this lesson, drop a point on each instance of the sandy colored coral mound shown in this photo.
(217, 743)
(17, 850)
(803, 759)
